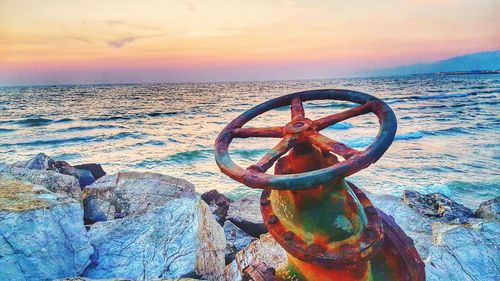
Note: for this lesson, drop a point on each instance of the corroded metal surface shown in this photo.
(302, 129)
(329, 228)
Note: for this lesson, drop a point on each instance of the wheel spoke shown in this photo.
(297, 109)
(274, 154)
(266, 132)
(344, 115)
(336, 147)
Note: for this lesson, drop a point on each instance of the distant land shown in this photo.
(476, 63)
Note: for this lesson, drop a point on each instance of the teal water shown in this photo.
(448, 136)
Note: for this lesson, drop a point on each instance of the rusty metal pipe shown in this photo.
(329, 228)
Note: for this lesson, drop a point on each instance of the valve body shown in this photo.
(332, 231)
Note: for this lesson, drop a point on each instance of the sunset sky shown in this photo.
(65, 42)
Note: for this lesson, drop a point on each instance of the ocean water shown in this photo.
(448, 137)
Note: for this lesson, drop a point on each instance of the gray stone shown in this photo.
(50, 179)
(40, 162)
(123, 194)
(265, 250)
(437, 205)
(218, 203)
(464, 252)
(245, 214)
(236, 240)
(489, 209)
(179, 239)
(42, 235)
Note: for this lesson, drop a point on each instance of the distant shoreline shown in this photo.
(468, 72)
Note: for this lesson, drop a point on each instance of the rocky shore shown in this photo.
(64, 222)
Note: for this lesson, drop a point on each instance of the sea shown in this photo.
(448, 137)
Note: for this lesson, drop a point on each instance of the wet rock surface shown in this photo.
(437, 205)
(245, 214)
(178, 239)
(42, 235)
(236, 240)
(129, 193)
(489, 209)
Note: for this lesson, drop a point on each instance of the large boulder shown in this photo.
(42, 235)
(236, 240)
(129, 193)
(265, 250)
(489, 209)
(245, 214)
(437, 205)
(469, 252)
(179, 239)
(50, 179)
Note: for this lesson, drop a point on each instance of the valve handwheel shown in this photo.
(302, 129)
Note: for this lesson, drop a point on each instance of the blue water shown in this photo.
(448, 136)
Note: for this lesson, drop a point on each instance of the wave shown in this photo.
(35, 122)
(5, 130)
(87, 128)
(409, 136)
(130, 116)
(430, 97)
(123, 135)
(150, 142)
(50, 141)
(182, 157)
(340, 126)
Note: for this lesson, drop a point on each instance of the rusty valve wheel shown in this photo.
(302, 129)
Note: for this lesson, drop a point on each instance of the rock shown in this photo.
(464, 252)
(95, 169)
(439, 243)
(40, 162)
(85, 177)
(129, 193)
(489, 209)
(218, 203)
(42, 235)
(179, 239)
(236, 239)
(265, 250)
(245, 214)
(50, 179)
(437, 205)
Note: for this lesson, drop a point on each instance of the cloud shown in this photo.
(190, 6)
(120, 42)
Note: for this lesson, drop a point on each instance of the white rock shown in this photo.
(245, 214)
(42, 235)
(50, 179)
(129, 193)
(179, 239)
(265, 250)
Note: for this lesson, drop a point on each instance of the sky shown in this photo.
(123, 41)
